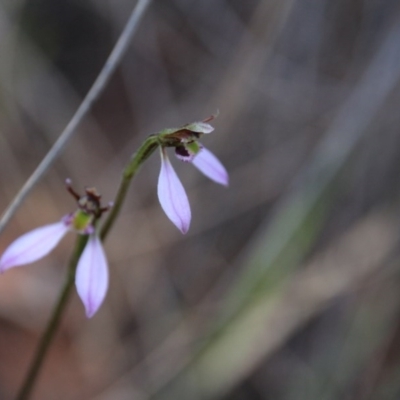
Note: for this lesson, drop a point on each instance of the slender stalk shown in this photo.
(52, 325)
(146, 149)
(94, 92)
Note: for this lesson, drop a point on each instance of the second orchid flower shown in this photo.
(171, 194)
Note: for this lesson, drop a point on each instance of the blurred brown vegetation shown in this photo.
(286, 286)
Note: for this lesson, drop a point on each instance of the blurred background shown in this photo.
(287, 285)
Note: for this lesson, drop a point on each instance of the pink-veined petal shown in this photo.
(172, 195)
(211, 167)
(33, 245)
(92, 275)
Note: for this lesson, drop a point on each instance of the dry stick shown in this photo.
(94, 92)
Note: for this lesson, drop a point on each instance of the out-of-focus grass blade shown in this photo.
(236, 344)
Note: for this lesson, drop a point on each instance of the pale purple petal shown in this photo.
(33, 245)
(211, 167)
(92, 275)
(172, 195)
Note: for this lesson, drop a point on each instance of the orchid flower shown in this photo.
(91, 278)
(171, 194)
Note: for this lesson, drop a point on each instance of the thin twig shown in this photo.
(94, 92)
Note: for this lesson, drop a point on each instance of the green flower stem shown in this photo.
(54, 321)
(144, 152)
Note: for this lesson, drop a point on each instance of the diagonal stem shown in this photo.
(94, 92)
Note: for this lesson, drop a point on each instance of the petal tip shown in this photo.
(224, 179)
(90, 313)
(92, 276)
(211, 167)
(185, 228)
(33, 245)
(182, 223)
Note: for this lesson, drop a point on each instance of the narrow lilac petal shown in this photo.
(172, 195)
(92, 276)
(33, 245)
(211, 167)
